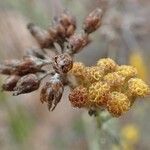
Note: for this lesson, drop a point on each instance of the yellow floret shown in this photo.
(107, 64)
(118, 104)
(78, 69)
(98, 92)
(114, 79)
(138, 87)
(94, 74)
(127, 71)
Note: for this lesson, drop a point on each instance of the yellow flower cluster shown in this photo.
(138, 87)
(107, 85)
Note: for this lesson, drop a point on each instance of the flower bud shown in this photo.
(27, 84)
(10, 83)
(42, 36)
(62, 63)
(79, 97)
(78, 42)
(51, 92)
(118, 104)
(93, 21)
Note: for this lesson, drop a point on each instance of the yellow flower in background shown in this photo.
(137, 61)
(130, 133)
(123, 146)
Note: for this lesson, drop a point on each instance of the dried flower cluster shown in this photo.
(106, 85)
(25, 75)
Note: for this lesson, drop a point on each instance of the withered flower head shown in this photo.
(65, 25)
(79, 97)
(22, 67)
(6, 70)
(42, 36)
(62, 63)
(93, 21)
(8, 67)
(10, 83)
(78, 42)
(29, 65)
(52, 91)
(27, 84)
(66, 19)
(118, 104)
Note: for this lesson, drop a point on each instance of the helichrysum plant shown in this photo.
(104, 86)
(107, 85)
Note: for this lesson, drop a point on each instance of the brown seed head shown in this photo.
(10, 83)
(26, 84)
(52, 91)
(78, 42)
(62, 63)
(93, 21)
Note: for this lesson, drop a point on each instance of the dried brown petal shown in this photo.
(63, 63)
(27, 84)
(51, 92)
(78, 42)
(93, 21)
(10, 83)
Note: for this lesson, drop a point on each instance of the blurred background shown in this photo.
(124, 36)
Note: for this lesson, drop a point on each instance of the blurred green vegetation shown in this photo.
(2, 95)
(20, 123)
(28, 9)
